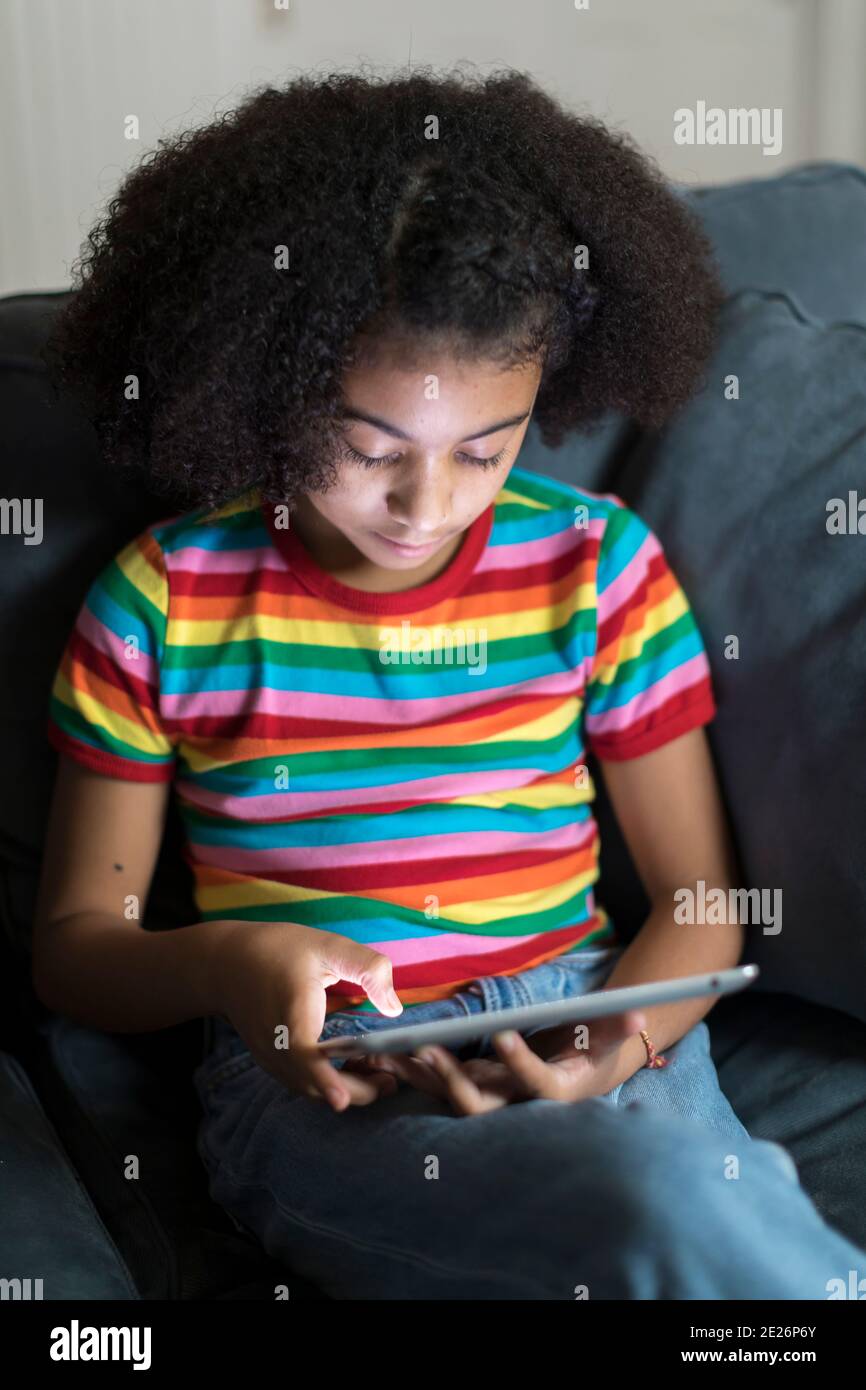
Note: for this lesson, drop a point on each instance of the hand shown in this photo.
(545, 1066)
(264, 974)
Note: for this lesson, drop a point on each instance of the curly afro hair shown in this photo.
(242, 267)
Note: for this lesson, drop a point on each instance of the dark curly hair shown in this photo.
(466, 241)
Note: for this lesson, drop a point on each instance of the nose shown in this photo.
(422, 506)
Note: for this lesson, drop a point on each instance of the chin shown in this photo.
(391, 558)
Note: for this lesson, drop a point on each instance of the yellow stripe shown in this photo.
(197, 632)
(546, 726)
(661, 616)
(461, 916)
(475, 913)
(540, 796)
(507, 494)
(248, 502)
(94, 713)
(254, 892)
(150, 582)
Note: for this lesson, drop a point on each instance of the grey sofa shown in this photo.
(737, 490)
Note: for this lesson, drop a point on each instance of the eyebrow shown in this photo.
(401, 434)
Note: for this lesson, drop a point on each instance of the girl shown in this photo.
(371, 659)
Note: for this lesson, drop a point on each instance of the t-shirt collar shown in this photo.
(319, 581)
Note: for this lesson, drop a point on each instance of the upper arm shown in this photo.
(649, 694)
(101, 846)
(670, 810)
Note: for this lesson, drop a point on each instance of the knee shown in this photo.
(655, 1193)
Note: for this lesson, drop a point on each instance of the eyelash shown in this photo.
(371, 462)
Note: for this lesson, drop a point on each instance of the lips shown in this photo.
(403, 545)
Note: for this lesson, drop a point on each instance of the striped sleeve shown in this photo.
(650, 677)
(104, 703)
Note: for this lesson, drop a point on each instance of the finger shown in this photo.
(461, 1090)
(494, 1081)
(416, 1073)
(366, 1066)
(360, 965)
(310, 1071)
(535, 1076)
(341, 1087)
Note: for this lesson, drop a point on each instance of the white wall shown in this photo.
(72, 70)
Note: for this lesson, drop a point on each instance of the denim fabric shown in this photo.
(655, 1190)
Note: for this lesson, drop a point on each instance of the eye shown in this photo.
(367, 459)
(371, 461)
(490, 462)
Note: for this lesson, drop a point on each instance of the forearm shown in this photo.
(666, 949)
(110, 975)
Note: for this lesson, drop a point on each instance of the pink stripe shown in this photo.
(196, 559)
(626, 584)
(444, 945)
(185, 708)
(144, 668)
(521, 554)
(615, 720)
(274, 807)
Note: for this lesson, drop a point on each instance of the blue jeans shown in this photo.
(654, 1191)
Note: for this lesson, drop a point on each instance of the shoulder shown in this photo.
(185, 541)
(206, 528)
(531, 505)
(140, 576)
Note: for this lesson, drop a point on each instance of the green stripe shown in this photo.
(120, 589)
(654, 647)
(328, 657)
(96, 735)
(322, 912)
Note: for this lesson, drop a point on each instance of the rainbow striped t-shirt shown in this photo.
(406, 769)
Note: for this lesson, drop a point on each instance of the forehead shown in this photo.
(436, 376)
(442, 399)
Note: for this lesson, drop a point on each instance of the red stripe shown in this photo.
(359, 877)
(109, 764)
(611, 625)
(190, 583)
(558, 567)
(81, 650)
(427, 974)
(282, 726)
(675, 717)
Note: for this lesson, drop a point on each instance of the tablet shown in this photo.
(395, 1036)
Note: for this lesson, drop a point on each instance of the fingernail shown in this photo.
(335, 1097)
(507, 1040)
(425, 1055)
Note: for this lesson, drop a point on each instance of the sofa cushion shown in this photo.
(801, 232)
(118, 1097)
(738, 491)
(51, 453)
(50, 1232)
(795, 1073)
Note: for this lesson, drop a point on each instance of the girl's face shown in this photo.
(396, 523)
